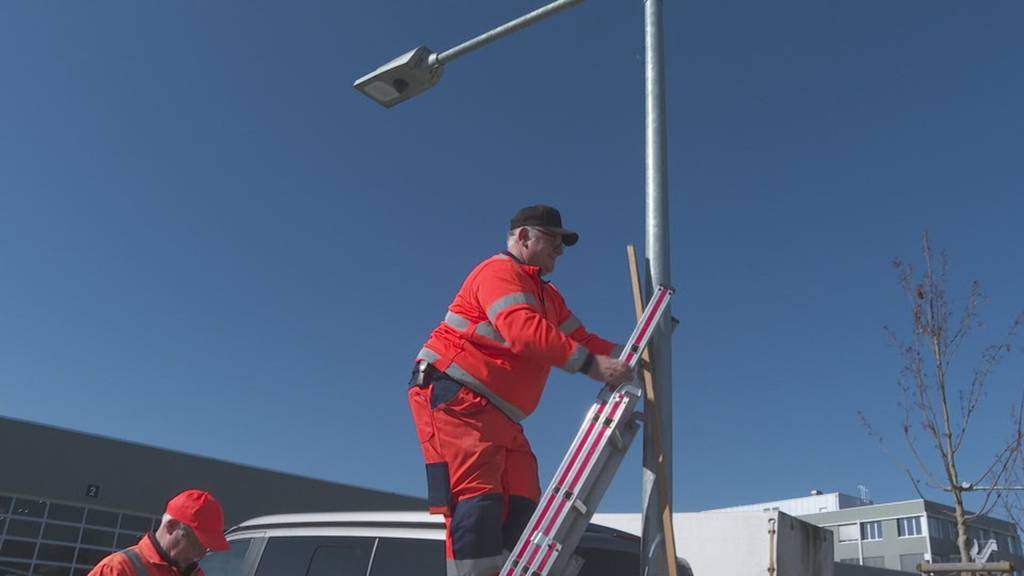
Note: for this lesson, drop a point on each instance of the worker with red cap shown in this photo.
(191, 527)
(481, 372)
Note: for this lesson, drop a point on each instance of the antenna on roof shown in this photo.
(865, 494)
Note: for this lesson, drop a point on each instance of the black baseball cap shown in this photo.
(545, 217)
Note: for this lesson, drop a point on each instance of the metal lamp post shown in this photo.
(420, 69)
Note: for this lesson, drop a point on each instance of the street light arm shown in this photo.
(503, 30)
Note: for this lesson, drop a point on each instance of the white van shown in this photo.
(381, 544)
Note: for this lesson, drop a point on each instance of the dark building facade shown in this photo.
(68, 499)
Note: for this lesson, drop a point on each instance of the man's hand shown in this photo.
(610, 370)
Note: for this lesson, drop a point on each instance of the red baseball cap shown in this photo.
(200, 511)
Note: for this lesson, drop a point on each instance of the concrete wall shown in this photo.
(56, 464)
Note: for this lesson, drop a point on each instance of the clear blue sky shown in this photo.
(210, 242)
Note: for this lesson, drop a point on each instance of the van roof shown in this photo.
(423, 519)
(389, 519)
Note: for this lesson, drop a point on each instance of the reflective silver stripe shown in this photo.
(485, 328)
(455, 321)
(576, 359)
(428, 355)
(136, 558)
(570, 325)
(488, 329)
(507, 301)
(617, 351)
(476, 566)
(459, 374)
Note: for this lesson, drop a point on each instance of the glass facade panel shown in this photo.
(97, 537)
(58, 545)
(101, 518)
(55, 553)
(50, 570)
(23, 528)
(61, 532)
(14, 568)
(135, 524)
(18, 549)
(90, 557)
(65, 513)
(30, 508)
(124, 540)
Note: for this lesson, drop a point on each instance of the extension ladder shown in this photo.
(564, 511)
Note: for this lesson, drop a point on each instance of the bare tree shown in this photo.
(939, 406)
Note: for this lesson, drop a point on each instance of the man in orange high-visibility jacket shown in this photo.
(192, 527)
(481, 372)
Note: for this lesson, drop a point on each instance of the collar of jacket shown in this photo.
(166, 558)
(529, 268)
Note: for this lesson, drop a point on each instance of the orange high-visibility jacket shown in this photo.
(504, 331)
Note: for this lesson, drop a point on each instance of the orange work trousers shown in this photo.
(481, 473)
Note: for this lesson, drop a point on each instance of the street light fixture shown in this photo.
(402, 78)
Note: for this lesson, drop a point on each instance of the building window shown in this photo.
(874, 561)
(871, 530)
(848, 533)
(908, 527)
(909, 562)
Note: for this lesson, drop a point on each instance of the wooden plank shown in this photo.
(652, 418)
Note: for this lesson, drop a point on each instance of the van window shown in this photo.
(340, 558)
(229, 562)
(315, 556)
(404, 556)
(604, 562)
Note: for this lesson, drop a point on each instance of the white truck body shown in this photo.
(743, 543)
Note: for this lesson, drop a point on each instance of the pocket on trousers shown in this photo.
(438, 488)
(421, 414)
(442, 391)
(466, 403)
